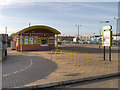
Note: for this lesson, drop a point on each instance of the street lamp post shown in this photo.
(116, 28)
(100, 30)
(29, 24)
(78, 28)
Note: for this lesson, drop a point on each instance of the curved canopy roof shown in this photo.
(38, 27)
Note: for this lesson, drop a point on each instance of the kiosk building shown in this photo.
(37, 37)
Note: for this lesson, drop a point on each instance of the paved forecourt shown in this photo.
(36, 67)
(68, 71)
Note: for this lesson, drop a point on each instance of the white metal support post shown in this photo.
(1, 62)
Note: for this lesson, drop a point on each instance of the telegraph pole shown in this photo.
(78, 28)
(78, 31)
(116, 28)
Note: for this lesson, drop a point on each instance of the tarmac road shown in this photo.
(88, 48)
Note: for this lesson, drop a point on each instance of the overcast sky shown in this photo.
(60, 15)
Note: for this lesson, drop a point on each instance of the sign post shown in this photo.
(109, 53)
(104, 53)
(107, 39)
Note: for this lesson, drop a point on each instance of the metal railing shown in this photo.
(67, 52)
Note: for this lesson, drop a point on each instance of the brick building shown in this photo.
(37, 37)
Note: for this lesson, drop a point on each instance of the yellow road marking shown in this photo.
(5, 75)
(19, 70)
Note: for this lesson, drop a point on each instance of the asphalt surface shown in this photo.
(18, 70)
(88, 49)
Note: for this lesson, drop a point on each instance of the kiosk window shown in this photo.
(44, 42)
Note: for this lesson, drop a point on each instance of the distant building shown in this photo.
(3, 46)
(85, 38)
(4, 37)
(67, 38)
(95, 38)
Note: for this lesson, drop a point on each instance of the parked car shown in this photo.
(80, 42)
(85, 42)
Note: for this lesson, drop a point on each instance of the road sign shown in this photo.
(107, 39)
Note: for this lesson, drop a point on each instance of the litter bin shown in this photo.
(5, 49)
(12, 45)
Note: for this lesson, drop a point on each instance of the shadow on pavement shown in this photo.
(39, 69)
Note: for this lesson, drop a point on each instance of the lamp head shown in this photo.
(107, 21)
